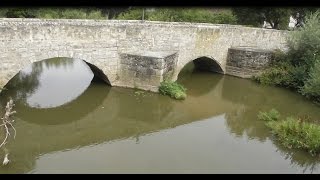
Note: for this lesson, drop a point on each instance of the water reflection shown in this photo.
(254, 98)
(50, 83)
(189, 74)
(121, 130)
(66, 113)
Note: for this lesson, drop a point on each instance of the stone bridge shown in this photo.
(136, 53)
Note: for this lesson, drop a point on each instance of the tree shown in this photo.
(21, 13)
(312, 85)
(278, 18)
(300, 13)
(248, 16)
(112, 13)
(3, 12)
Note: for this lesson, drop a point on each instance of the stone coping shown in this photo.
(93, 22)
(251, 48)
(155, 54)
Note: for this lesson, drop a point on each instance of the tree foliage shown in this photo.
(300, 13)
(299, 68)
(312, 85)
(198, 15)
(21, 12)
(248, 16)
(278, 18)
(53, 13)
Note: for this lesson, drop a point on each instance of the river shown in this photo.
(67, 121)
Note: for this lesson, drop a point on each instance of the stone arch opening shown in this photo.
(207, 64)
(99, 75)
(193, 71)
(202, 63)
(52, 82)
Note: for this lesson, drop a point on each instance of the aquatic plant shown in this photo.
(172, 89)
(293, 132)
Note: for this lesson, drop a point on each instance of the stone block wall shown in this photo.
(100, 43)
(247, 61)
(145, 70)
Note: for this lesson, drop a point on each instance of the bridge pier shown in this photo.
(145, 70)
(246, 62)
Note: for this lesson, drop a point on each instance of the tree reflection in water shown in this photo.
(252, 98)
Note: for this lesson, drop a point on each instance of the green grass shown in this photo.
(172, 89)
(293, 132)
(272, 115)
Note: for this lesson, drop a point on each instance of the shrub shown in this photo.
(224, 18)
(21, 13)
(73, 14)
(3, 12)
(49, 13)
(311, 89)
(198, 15)
(163, 14)
(299, 68)
(293, 133)
(172, 89)
(131, 14)
(95, 14)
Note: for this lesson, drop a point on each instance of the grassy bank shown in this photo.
(293, 132)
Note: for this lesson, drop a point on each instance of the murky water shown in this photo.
(67, 123)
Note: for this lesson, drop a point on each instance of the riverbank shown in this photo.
(298, 68)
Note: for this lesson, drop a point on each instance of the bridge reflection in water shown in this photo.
(116, 129)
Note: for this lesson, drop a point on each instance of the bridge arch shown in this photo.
(202, 63)
(98, 73)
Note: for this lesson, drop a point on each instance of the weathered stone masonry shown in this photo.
(146, 70)
(245, 61)
(105, 43)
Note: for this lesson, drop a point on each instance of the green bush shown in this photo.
(311, 89)
(224, 18)
(73, 14)
(197, 15)
(21, 13)
(3, 12)
(162, 14)
(131, 14)
(272, 115)
(49, 13)
(298, 68)
(281, 74)
(53, 13)
(293, 133)
(172, 89)
(95, 14)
